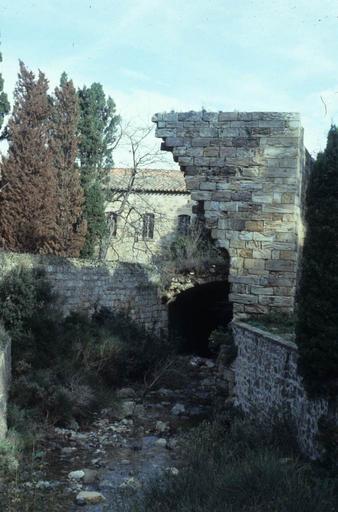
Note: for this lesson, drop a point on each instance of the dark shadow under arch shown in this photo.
(196, 312)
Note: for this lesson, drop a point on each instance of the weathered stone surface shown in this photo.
(258, 167)
(89, 498)
(267, 382)
(87, 286)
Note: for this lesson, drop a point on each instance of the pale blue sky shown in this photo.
(153, 55)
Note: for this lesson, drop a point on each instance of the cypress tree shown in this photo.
(97, 128)
(317, 323)
(28, 199)
(4, 103)
(98, 124)
(64, 145)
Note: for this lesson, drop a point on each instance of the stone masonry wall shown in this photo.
(245, 171)
(83, 286)
(5, 375)
(265, 381)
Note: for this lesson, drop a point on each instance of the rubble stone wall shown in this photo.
(265, 382)
(246, 173)
(84, 286)
(5, 376)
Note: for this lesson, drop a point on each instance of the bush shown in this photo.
(62, 368)
(239, 469)
(25, 296)
(221, 339)
(194, 251)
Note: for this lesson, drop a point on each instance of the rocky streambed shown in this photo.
(123, 448)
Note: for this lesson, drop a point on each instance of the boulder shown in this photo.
(178, 409)
(76, 475)
(89, 498)
(161, 442)
(126, 393)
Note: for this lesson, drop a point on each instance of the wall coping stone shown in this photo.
(266, 334)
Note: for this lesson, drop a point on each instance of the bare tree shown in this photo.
(143, 153)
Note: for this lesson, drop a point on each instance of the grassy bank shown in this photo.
(240, 467)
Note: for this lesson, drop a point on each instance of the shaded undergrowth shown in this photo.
(66, 369)
(239, 468)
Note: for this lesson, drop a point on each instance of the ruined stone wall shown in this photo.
(245, 171)
(266, 382)
(83, 286)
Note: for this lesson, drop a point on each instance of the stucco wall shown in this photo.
(266, 382)
(83, 286)
(245, 170)
(128, 245)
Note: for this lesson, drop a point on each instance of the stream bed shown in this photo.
(121, 451)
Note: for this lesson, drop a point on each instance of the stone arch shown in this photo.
(196, 312)
(198, 303)
(245, 172)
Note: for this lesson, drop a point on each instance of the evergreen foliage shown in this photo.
(4, 103)
(317, 324)
(64, 368)
(97, 126)
(97, 129)
(94, 213)
(64, 144)
(28, 199)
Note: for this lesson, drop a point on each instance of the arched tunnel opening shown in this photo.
(196, 312)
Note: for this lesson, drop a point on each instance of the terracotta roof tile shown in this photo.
(161, 180)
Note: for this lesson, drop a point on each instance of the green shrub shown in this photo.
(222, 339)
(10, 452)
(25, 297)
(62, 368)
(239, 469)
(194, 251)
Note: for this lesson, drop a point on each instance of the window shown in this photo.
(183, 224)
(112, 223)
(148, 225)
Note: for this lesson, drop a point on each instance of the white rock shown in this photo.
(68, 450)
(172, 471)
(161, 426)
(89, 498)
(161, 442)
(76, 475)
(178, 409)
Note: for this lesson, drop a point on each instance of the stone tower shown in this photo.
(247, 172)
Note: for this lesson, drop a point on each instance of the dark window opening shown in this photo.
(148, 225)
(112, 223)
(183, 225)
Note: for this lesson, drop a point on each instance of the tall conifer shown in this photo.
(317, 324)
(64, 145)
(28, 199)
(97, 128)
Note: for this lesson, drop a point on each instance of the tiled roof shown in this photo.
(149, 180)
